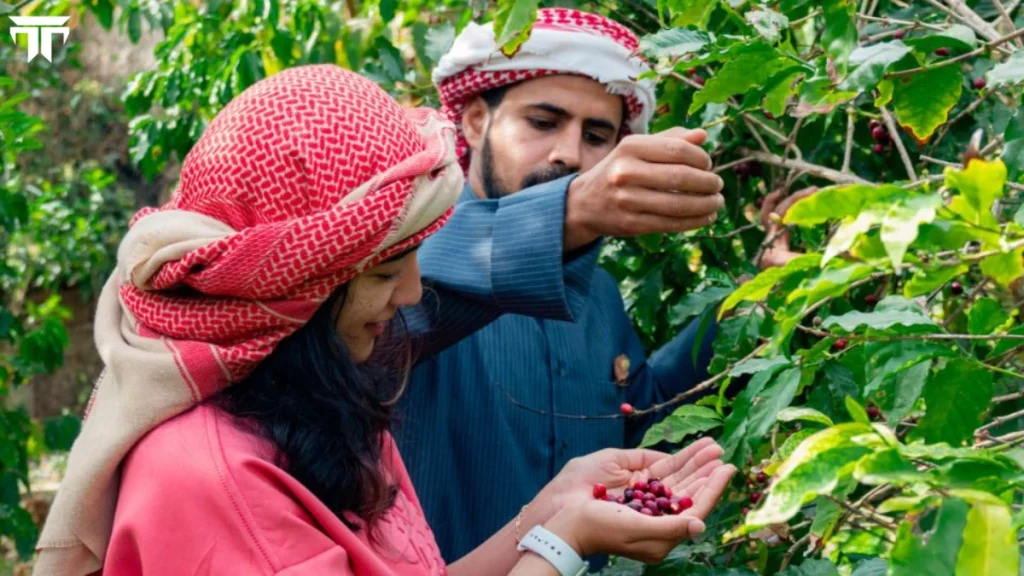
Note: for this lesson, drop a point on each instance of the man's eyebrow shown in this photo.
(560, 112)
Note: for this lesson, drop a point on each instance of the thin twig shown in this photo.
(1008, 398)
(792, 550)
(851, 127)
(894, 134)
(812, 169)
(1000, 440)
(1000, 421)
(1007, 19)
(972, 18)
(898, 22)
(705, 385)
(883, 521)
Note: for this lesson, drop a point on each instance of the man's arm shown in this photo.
(500, 256)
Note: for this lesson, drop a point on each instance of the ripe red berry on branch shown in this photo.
(840, 345)
(878, 149)
(871, 299)
(873, 412)
(942, 52)
(956, 288)
(980, 83)
(900, 34)
(626, 408)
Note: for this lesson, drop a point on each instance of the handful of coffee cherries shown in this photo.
(651, 498)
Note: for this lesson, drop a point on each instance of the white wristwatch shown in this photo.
(550, 547)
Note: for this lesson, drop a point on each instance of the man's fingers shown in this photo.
(686, 482)
(667, 149)
(673, 178)
(669, 204)
(637, 224)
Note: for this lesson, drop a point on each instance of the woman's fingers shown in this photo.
(685, 460)
(684, 468)
(686, 484)
(709, 495)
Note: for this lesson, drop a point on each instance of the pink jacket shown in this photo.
(201, 495)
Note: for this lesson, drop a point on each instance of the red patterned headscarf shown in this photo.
(563, 41)
(302, 182)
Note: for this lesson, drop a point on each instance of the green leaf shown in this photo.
(905, 390)
(980, 184)
(856, 411)
(828, 512)
(926, 280)
(958, 38)
(840, 35)
(830, 282)
(805, 414)
(757, 365)
(1008, 73)
(922, 101)
(746, 69)
(134, 25)
(872, 567)
(989, 542)
(387, 10)
(839, 202)
(812, 567)
(1004, 268)
(871, 62)
(675, 42)
(815, 468)
(985, 316)
(692, 12)
(912, 557)
(103, 10)
(59, 432)
(685, 420)
(849, 230)
(900, 225)
(956, 397)
(1013, 151)
(779, 89)
(755, 410)
(912, 320)
(513, 23)
(768, 23)
(696, 303)
(759, 288)
(886, 467)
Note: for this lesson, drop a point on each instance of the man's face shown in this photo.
(542, 130)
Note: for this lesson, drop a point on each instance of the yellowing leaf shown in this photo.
(513, 23)
(989, 543)
(1004, 268)
(900, 225)
(762, 284)
(979, 184)
(922, 101)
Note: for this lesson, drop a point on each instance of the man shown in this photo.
(486, 423)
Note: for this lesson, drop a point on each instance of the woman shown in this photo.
(277, 267)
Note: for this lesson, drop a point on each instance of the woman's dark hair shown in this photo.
(326, 415)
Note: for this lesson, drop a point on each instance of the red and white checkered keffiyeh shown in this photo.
(563, 41)
(303, 181)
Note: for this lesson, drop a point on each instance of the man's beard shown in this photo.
(496, 189)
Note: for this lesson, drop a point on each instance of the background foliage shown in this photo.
(878, 421)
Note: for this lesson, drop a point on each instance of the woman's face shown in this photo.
(373, 299)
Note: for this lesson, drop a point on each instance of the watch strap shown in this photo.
(552, 548)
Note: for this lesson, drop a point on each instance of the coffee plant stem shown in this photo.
(851, 127)
(1009, 439)
(812, 169)
(883, 521)
(705, 385)
(961, 58)
(1000, 420)
(1008, 397)
(1007, 20)
(792, 550)
(894, 135)
(963, 304)
(898, 22)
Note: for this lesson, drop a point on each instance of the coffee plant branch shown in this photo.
(894, 135)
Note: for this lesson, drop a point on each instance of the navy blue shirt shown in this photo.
(487, 422)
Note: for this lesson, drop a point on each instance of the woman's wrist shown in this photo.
(566, 525)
